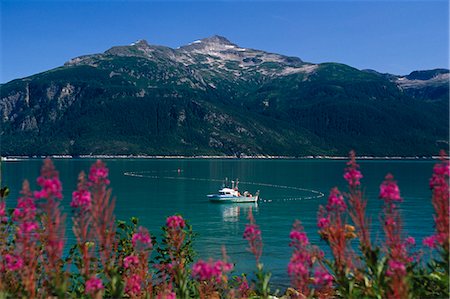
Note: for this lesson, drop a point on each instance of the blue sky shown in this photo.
(388, 36)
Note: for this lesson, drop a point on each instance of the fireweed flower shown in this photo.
(202, 270)
(439, 183)
(300, 237)
(49, 182)
(13, 262)
(323, 222)
(141, 240)
(352, 175)
(211, 274)
(301, 262)
(244, 288)
(175, 222)
(130, 261)
(3, 218)
(210, 270)
(253, 235)
(93, 285)
(133, 285)
(98, 173)
(175, 233)
(322, 279)
(389, 190)
(81, 199)
(396, 247)
(410, 241)
(396, 268)
(336, 201)
(430, 242)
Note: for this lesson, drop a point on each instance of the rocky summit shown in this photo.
(213, 97)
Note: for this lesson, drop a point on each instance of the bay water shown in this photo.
(152, 189)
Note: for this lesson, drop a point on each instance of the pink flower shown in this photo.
(202, 270)
(93, 285)
(323, 222)
(298, 264)
(2, 208)
(396, 268)
(81, 199)
(3, 217)
(440, 173)
(27, 227)
(166, 293)
(323, 278)
(389, 190)
(336, 201)
(51, 187)
(253, 235)
(212, 270)
(299, 237)
(410, 241)
(430, 241)
(251, 232)
(26, 209)
(13, 262)
(243, 286)
(352, 175)
(98, 173)
(141, 239)
(221, 267)
(130, 261)
(170, 295)
(175, 222)
(133, 285)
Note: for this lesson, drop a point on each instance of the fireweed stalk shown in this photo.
(52, 236)
(4, 233)
(334, 230)
(136, 274)
(175, 270)
(300, 267)
(357, 203)
(82, 223)
(27, 237)
(102, 211)
(439, 184)
(252, 234)
(396, 247)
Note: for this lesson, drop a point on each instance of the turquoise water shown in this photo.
(290, 189)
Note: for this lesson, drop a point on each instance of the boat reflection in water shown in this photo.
(232, 211)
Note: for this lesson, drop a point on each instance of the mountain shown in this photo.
(215, 97)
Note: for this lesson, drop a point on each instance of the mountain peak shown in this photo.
(140, 42)
(215, 42)
(217, 39)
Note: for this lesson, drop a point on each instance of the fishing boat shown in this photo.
(232, 194)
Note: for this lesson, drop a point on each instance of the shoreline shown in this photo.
(218, 157)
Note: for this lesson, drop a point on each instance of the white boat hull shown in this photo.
(232, 199)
